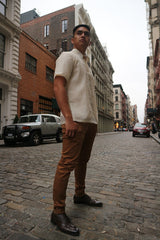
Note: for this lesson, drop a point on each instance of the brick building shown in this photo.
(157, 81)
(54, 31)
(36, 66)
(152, 107)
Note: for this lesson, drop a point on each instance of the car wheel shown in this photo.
(148, 135)
(35, 139)
(59, 136)
(133, 135)
(9, 143)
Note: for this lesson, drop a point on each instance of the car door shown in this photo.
(49, 125)
(44, 125)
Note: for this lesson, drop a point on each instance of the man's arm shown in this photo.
(62, 99)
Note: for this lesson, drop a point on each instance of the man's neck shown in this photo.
(81, 50)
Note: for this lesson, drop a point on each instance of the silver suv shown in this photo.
(33, 128)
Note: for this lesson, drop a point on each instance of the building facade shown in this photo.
(129, 112)
(135, 116)
(152, 108)
(36, 66)
(54, 31)
(102, 71)
(125, 115)
(120, 114)
(157, 82)
(9, 53)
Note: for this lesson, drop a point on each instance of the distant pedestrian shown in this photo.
(75, 93)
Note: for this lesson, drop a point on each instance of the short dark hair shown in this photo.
(81, 25)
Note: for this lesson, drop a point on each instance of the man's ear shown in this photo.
(72, 40)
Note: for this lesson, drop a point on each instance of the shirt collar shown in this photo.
(84, 57)
(76, 51)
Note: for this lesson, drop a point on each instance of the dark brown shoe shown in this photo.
(64, 224)
(87, 200)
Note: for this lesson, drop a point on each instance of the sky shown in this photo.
(121, 26)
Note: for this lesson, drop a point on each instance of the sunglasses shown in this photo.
(86, 33)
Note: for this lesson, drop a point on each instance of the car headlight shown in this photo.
(25, 134)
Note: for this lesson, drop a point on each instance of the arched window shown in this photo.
(64, 25)
(116, 106)
(46, 30)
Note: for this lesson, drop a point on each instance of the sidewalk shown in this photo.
(155, 137)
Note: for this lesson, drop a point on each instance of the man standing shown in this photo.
(75, 93)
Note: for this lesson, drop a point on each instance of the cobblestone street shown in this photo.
(124, 173)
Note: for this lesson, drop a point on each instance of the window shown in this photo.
(116, 98)
(49, 74)
(117, 115)
(31, 63)
(46, 45)
(3, 6)
(29, 119)
(46, 30)
(2, 50)
(45, 105)
(116, 91)
(64, 26)
(50, 119)
(26, 107)
(116, 106)
(64, 45)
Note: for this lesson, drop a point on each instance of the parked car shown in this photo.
(33, 129)
(141, 130)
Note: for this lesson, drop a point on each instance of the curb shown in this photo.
(155, 138)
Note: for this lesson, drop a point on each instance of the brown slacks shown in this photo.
(75, 155)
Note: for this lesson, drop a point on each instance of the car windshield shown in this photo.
(140, 125)
(29, 119)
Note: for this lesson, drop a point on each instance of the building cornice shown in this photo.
(10, 75)
(6, 22)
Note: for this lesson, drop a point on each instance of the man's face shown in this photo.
(81, 39)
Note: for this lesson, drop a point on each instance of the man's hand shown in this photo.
(71, 128)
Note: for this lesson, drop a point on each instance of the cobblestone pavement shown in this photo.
(124, 173)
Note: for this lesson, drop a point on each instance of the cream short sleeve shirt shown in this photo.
(80, 86)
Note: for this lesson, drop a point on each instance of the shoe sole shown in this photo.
(92, 205)
(62, 230)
